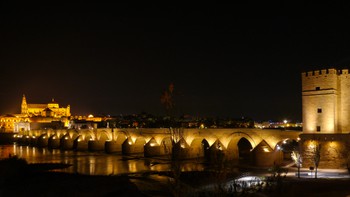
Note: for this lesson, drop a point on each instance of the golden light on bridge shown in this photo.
(266, 149)
(153, 144)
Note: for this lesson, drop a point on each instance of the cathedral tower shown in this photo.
(24, 106)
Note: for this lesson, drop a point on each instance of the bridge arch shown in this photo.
(239, 145)
(104, 135)
(73, 134)
(121, 137)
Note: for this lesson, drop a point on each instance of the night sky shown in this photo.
(224, 60)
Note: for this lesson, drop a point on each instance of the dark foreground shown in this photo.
(17, 178)
(61, 184)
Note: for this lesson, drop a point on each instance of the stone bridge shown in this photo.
(261, 145)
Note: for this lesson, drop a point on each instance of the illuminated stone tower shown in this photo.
(326, 101)
(24, 106)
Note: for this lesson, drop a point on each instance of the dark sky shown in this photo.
(224, 60)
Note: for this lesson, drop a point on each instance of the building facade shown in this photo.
(51, 109)
(36, 116)
(326, 101)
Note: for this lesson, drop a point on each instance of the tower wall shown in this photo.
(320, 101)
(344, 101)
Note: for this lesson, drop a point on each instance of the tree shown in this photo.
(316, 156)
(296, 156)
(167, 98)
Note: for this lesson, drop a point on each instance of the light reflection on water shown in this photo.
(93, 163)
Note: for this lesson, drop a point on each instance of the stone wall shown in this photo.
(333, 149)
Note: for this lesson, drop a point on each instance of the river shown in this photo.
(95, 163)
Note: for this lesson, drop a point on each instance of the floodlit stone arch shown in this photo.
(122, 136)
(232, 149)
(104, 135)
(73, 134)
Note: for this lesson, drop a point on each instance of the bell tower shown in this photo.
(24, 106)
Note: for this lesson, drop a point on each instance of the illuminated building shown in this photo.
(326, 114)
(325, 101)
(51, 109)
(36, 116)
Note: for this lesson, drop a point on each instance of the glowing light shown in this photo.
(44, 137)
(265, 149)
(153, 144)
(182, 144)
(312, 145)
(33, 137)
(66, 138)
(53, 138)
(15, 136)
(129, 142)
(278, 147)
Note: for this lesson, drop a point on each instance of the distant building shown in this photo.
(36, 116)
(51, 109)
(278, 125)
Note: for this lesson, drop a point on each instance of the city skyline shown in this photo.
(118, 59)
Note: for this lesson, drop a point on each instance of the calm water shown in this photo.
(94, 163)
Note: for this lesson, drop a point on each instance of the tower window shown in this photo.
(317, 88)
(318, 128)
(319, 110)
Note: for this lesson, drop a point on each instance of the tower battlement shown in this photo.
(325, 72)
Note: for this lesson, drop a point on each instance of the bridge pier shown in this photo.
(112, 147)
(66, 144)
(53, 142)
(129, 148)
(33, 141)
(43, 141)
(181, 150)
(80, 145)
(96, 145)
(151, 151)
(24, 140)
(268, 158)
